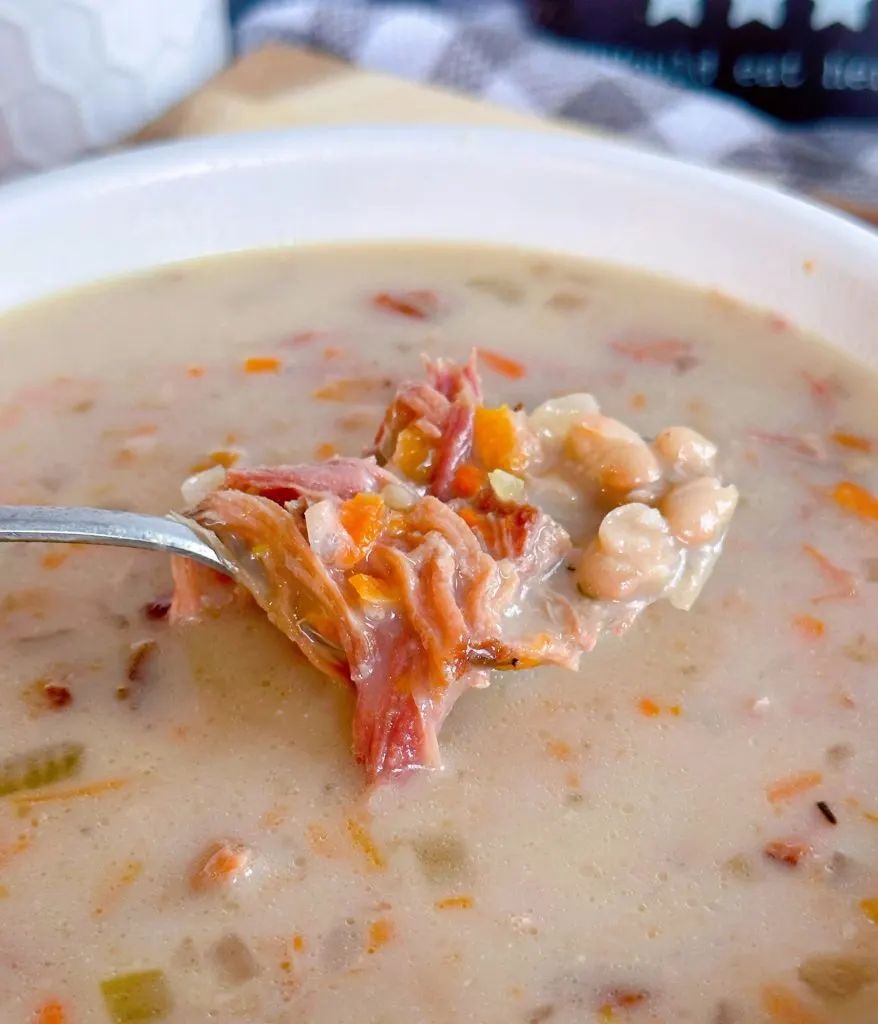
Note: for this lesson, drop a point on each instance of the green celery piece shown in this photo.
(135, 997)
(41, 767)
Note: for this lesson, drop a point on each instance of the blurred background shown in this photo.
(784, 88)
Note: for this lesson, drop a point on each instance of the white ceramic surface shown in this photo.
(77, 75)
(573, 195)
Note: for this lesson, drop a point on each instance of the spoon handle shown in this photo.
(105, 526)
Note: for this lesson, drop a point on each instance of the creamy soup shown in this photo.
(683, 830)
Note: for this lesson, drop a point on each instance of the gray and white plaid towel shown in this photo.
(490, 49)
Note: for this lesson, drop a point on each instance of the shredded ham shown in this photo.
(412, 604)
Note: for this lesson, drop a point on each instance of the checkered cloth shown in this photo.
(490, 49)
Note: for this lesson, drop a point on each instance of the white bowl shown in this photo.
(169, 203)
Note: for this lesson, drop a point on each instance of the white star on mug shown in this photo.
(689, 12)
(771, 13)
(853, 14)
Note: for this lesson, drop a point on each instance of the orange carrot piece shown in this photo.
(792, 785)
(195, 371)
(51, 1012)
(298, 943)
(372, 590)
(455, 903)
(855, 442)
(785, 1008)
(53, 559)
(639, 401)
(380, 933)
(363, 518)
(364, 842)
(218, 865)
(495, 439)
(855, 499)
(262, 364)
(649, 708)
(870, 909)
(325, 451)
(60, 795)
(468, 480)
(844, 580)
(559, 750)
(416, 305)
(809, 626)
(351, 389)
(507, 367)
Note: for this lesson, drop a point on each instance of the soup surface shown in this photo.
(686, 830)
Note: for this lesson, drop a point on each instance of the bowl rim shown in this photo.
(204, 155)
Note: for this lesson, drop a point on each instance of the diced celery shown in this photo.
(40, 767)
(140, 996)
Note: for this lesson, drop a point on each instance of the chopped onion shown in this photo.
(398, 498)
(551, 420)
(325, 532)
(507, 487)
(198, 486)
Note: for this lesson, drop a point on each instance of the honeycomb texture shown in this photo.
(78, 75)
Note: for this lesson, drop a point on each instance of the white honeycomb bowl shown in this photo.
(78, 75)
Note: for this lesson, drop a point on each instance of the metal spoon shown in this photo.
(170, 534)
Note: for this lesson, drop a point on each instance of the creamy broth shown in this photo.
(640, 841)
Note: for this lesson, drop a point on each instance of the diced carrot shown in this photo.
(809, 626)
(649, 708)
(495, 439)
(844, 581)
(221, 457)
(364, 842)
(325, 451)
(507, 367)
(417, 304)
(352, 389)
(218, 865)
(363, 518)
(870, 909)
(195, 371)
(51, 1012)
(559, 750)
(52, 559)
(372, 590)
(414, 454)
(855, 499)
(792, 785)
(639, 401)
(298, 943)
(786, 851)
(852, 441)
(468, 480)
(380, 933)
(661, 352)
(331, 352)
(785, 1008)
(455, 903)
(262, 364)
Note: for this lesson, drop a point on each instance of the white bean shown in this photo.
(611, 455)
(685, 453)
(699, 511)
(633, 556)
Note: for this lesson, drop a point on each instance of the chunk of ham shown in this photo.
(411, 602)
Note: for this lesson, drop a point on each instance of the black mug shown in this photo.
(798, 60)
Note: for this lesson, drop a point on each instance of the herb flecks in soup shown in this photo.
(411, 573)
(682, 830)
